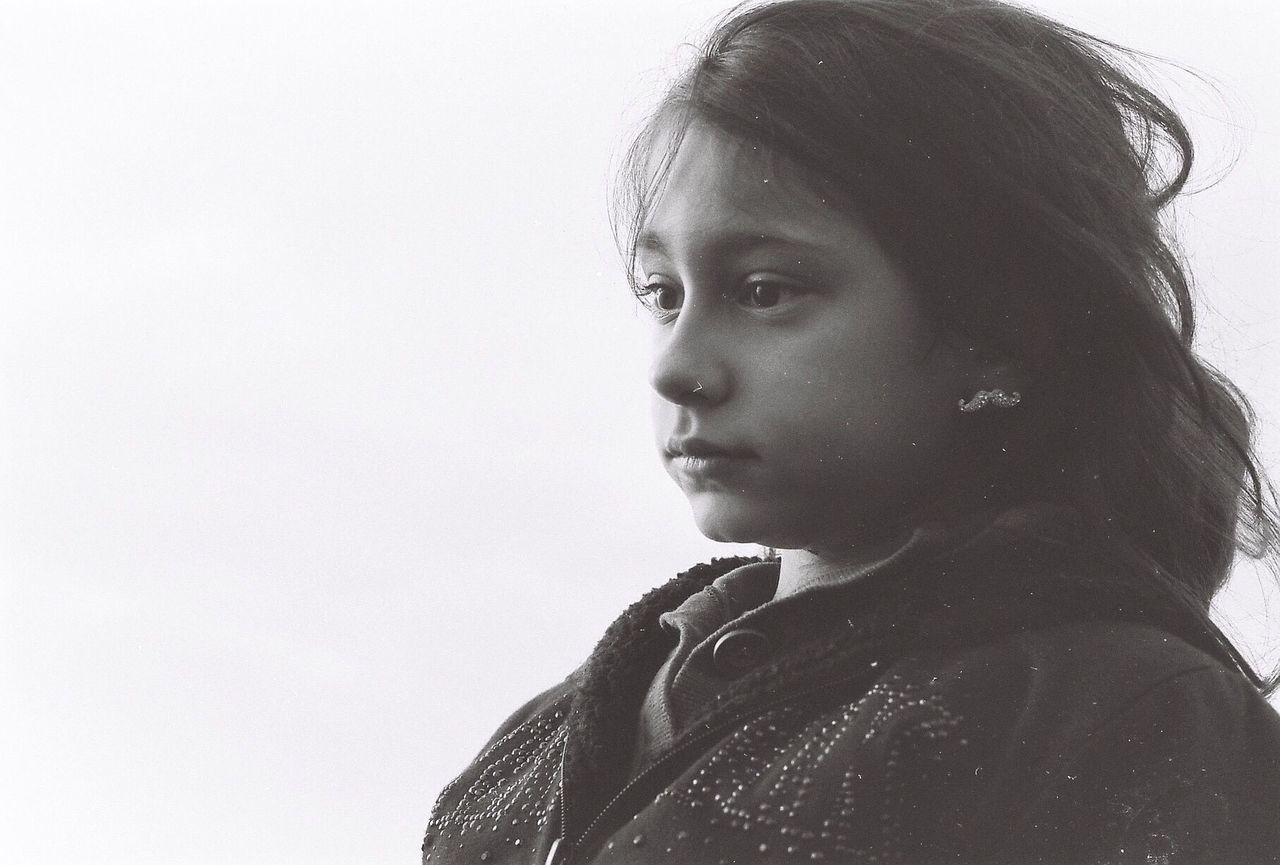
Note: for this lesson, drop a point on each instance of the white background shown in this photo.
(323, 427)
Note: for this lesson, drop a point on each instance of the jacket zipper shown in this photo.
(562, 848)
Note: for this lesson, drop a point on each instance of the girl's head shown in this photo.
(850, 214)
(805, 397)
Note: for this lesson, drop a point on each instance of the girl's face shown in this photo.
(802, 399)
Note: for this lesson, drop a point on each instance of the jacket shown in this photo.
(1011, 700)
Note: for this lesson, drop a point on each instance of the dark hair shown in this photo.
(1017, 170)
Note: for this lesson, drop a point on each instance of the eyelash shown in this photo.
(647, 294)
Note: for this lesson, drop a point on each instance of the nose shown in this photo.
(689, 366)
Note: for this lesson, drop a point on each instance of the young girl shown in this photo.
(918, 327)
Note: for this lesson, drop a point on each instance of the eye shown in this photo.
(666, 298)
(763, 295)
(660, 298)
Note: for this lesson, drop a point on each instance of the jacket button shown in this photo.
(740, 650)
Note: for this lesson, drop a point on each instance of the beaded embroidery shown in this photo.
(509, 802)
(763, 778)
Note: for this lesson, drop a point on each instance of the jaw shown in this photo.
(831, 529)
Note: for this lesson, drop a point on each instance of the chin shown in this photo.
(733, 522)
(768, 522)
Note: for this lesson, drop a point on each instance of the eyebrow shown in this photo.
(732, 242)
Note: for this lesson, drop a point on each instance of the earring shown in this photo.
(984, 398)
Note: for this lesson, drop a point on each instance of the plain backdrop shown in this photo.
(323, 412)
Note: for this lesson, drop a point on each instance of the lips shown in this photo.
(698, 448)
(699, 462)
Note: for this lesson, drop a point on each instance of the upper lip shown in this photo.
(697, 447)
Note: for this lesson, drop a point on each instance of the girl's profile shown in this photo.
(921, 332)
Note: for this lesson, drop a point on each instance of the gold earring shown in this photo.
(984, 398)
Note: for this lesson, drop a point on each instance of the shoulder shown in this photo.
(1096, 736)
(1077, 677)
(548, 708)
(1107, 663)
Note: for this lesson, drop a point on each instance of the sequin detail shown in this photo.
(508, 804)
(775, 779)
(785, 784)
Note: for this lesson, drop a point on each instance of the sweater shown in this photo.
(1010, 700)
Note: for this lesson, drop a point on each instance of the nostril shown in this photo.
(675, 383)
(688, 364)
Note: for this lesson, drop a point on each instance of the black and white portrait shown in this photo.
(597, 432)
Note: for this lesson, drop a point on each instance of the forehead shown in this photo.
(719, 185)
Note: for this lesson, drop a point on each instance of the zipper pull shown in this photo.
(559, 852)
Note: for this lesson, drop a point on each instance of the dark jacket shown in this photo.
(1006, 702)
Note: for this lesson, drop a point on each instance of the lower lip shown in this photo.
(707, 466)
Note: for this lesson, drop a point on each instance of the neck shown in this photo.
(805, 568)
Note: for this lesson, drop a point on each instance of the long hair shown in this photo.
(1017, 170)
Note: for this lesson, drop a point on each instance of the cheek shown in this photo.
(872, 416)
